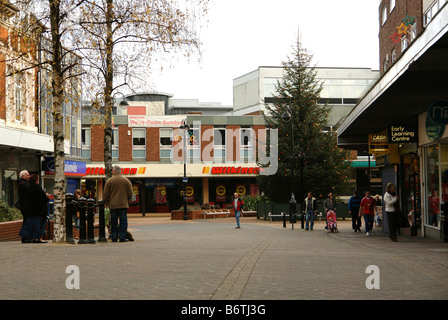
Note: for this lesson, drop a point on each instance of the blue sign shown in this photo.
(438, 112)
(72, 168)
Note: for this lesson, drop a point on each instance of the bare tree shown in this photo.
(118, 39)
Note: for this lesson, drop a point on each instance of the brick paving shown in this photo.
(207, 260)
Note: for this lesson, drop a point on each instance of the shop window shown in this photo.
(432, 194)
(139, 143)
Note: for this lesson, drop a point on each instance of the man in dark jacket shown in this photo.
(24, 202)
(353, 208)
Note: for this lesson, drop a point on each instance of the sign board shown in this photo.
(379, 143)
(403, 134)
(438, 112)
(136, 121)
(71, 168)
(433, 131)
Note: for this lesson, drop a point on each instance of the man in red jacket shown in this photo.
(238, 206)
(368, 208)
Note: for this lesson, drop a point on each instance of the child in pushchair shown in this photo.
(332, 225)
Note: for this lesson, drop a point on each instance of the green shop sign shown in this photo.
(433, 130)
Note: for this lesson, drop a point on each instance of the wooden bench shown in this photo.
(215, 212)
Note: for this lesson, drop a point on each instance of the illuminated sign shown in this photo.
(231, 170)
(98, 171)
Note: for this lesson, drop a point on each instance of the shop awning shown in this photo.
(363, 164)
(412, 84)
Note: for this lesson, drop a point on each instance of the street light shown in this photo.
(287, 117)
(186, 127)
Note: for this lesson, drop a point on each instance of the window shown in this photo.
(115, 143)
(394, 56)
(386, 62)
(413, 31)
(19, 96)
(246, 142)
(139, 143)
(194, 149)
(432, 212)
(86, 142)
(166, 145)
(404, 44)
(392, 5)
(384, 15)
(219, 141)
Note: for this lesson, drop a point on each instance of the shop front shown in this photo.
(158, 188)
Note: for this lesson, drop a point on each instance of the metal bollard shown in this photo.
(90, 220)
(284, 219)
(69, 212)
(82, 221)
(102, 220)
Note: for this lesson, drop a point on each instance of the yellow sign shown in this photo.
(241, 190)
(379, 143)
(190, 191)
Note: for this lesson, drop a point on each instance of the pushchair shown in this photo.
(332, 225)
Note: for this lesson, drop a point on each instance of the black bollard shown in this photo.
(102, 220)
(82, 202)
(90, 220)
(284, 219)
(69, 211)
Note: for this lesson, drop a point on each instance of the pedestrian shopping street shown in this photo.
(210, 259)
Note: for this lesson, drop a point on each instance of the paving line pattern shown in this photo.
(233, 285)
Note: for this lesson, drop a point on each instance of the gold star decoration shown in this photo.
(403, 29)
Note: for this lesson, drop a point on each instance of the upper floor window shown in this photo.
(384, 15)
(139, 143)
(19, 96)
(392, 5)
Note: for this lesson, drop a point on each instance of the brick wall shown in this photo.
(97, 143)
(124, 143)
(208, 144)
(233, 143)
(153, 144)
(413, 8)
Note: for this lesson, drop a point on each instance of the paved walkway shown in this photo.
(210, 259)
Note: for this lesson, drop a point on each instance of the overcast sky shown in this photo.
(242, 35)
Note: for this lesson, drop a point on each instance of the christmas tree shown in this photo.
(319, 165)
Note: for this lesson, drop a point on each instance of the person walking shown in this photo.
(238, 206)
(353, 209)
(117, 194)
(310, 207)
(392, 210)
(368, 209)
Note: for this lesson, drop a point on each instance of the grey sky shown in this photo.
(242, 35)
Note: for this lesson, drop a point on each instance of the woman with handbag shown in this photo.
(392, 211)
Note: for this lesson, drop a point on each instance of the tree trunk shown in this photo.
(58, 124)
(108, 101)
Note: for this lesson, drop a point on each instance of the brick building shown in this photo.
(148, 145)
(21, 143)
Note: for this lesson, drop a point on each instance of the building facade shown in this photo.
(21, 143)
(220, 156)
(402, 118)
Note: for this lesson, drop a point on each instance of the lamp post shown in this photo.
(186, 127)
(287, 117)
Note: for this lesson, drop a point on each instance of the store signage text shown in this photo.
(231, 170)
(402, 134)
(98, 171)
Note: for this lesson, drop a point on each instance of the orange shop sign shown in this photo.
(100, 171)
(231, 170)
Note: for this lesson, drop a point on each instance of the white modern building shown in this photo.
(342, 89)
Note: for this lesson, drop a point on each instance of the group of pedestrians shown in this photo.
(33, 204)
(367, 207)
